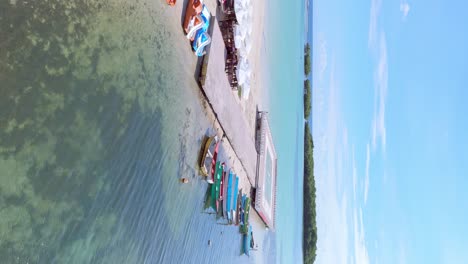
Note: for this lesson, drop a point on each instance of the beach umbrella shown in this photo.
(246, 90)
(248, 43)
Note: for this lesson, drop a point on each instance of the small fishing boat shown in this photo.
(239, 207)
(245, 218)
(219, 173)
(222, 193)
(228, 197)
(234, 200)
(246, 243)
(215, 187)
(209, 153)
(211, 179)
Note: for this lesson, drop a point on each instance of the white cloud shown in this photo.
(361, 255)
(366, 180)
(373, 22)
(322, 57)
(379, 130)
(354, 177)
(404, 8)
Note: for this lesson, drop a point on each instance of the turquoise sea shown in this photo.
(100, 116)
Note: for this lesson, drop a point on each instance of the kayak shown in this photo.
(234, 199)
(213, 164)
(215, 187)
(247, 238)
(219, 173)
(228, 197)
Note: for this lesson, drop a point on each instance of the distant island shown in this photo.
(309, 242)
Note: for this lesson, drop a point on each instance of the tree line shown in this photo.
(309, 210)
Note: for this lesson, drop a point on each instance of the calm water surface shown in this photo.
(96, 127)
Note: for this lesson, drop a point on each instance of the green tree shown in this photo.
(309, 217)
(307, 99)
(307, 62)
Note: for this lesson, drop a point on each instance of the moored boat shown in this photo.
(222, 193)
(228, 196)
(196, 25)
(234, 200)
(209, 153)
(211, 178)
(217, 184)
(246, 243)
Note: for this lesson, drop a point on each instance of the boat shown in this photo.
(219, 172)
(202, 39)
(234, 199)
(246, 243)
(196, 25)
(241, 209)
(215, 187)
(228, 196)
(209, 153)
(222, 192)
(211, 178)
(245, 218)
(238, 207)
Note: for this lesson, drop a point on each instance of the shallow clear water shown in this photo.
(285, 52)
(96, 127)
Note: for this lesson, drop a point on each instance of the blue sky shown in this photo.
(390, 126)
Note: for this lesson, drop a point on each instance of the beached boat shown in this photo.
(246, 243)
(215, 186)
(228, 196)
(210, 179)
(219, 173)
(222, 193)
(209, 155)
(196, 25)
(245, 216)
(234, 200)
(238, 207)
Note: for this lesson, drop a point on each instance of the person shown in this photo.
(184, 180)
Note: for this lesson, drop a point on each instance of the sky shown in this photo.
(389, 128)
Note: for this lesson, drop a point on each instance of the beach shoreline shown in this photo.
(257, 99)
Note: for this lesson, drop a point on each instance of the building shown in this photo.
(265, 184)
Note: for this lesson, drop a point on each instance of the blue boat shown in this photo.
(228, 197)
(246, 242)
(234, 199)
(202, 39)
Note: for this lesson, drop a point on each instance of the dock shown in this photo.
(229, 113)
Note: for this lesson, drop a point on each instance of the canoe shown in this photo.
(208, 154)
(238, 207)
(228, 196)
(247, 238)
(215, 187)
(222, 193)
(234, 199)
(219, 173)
(213, 164)
(245, 218)
(242, 206)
